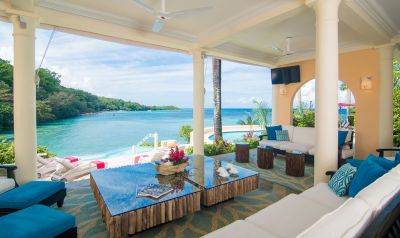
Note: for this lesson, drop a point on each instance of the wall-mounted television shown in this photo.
(285, 75)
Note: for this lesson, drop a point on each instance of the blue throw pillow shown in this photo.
(384, 163)
(342, 135)
(341, 180)
(355, 162)
(367, 173)
(271, 131)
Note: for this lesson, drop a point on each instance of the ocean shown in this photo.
(112, 134)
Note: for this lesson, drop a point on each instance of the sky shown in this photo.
(144, 75)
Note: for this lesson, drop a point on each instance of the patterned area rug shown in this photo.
(274, 185)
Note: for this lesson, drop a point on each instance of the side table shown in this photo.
(295, 163)
(265, 157)
(242, 152)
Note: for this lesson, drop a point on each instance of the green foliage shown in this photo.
(304, 118)
(54, 101)
(396, 117)
(253, 142)
(189, 150)
(6, 152)
(396, 74)
(148, 144)
(185, 131)
(261, 112)
(217, 148)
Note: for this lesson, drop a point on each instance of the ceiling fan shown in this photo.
(163, 15)
(284, 51)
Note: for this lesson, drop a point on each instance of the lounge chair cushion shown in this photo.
(348, 221)
(293, 211)
(36, 221)
(29, 194)
(322, 194)
(240, 229)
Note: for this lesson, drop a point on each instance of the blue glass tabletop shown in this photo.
(119, 186)
(202, 170)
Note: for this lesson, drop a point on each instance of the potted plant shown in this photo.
(175, 163)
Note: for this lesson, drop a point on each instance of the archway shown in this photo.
(303, 105)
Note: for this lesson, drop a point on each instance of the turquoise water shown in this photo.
(110, 134)
(231, 136)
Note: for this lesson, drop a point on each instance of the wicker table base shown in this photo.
(228, 191)
(135, 221)
(295, 163)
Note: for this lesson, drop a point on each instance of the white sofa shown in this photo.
(318, 212)
(301, 139)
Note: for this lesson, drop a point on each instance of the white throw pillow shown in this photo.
(349, 220)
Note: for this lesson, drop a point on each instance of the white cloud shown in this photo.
(147, 76)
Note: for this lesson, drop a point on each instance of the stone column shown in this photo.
(386, 97)
(198, 102)
(326, 88)
(275, 104)
(24, 97)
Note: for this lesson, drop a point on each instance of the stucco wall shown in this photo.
(352, 66)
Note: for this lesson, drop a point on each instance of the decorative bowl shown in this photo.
(171, 169)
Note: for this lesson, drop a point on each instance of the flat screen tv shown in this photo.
(285, 75)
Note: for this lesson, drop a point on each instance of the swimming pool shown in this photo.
(231, 136)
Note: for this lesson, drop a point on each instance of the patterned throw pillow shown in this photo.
(282, 135)
(340, 182)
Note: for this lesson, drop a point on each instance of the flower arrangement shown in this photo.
(175, 163)
(176, 157)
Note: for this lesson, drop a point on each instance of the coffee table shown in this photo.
(215, 189)
(124, 214)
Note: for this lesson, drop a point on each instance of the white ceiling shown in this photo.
(243, 30)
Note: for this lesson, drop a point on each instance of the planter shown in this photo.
(171, 169)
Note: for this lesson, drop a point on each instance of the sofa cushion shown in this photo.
(355, 162)
(282, 135)
(36, 221)
(304, 136)
(322, 194)
(6, 184)
(289, 146)
(349, 220)
(378, 194)
(271, 131)
(273, 143)
(240, 229)
(293, 211)
(367, 173)
(29, 194)
(341, 180)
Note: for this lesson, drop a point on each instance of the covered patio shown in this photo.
(331, 40)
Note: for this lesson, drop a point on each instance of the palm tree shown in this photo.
(261, 112)
(249, 120)
(217, 99)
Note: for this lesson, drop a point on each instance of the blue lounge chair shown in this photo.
(38, 221)
(31, 193)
